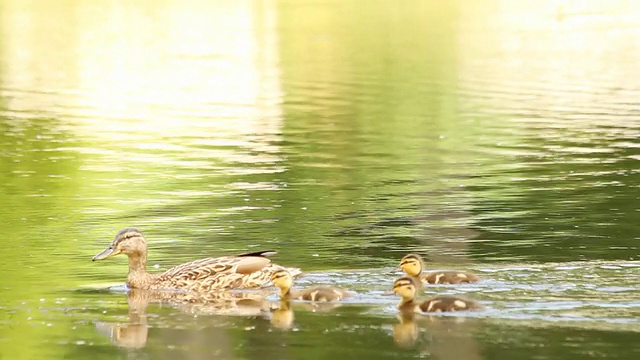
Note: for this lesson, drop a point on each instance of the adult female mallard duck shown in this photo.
(412, 264)
(284, 280)
(244, 271)
(406, 288)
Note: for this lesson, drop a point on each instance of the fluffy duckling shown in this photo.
(205, 275)
(406, 287)
(283, 280)
(412, 264)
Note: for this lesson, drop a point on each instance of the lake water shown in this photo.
(500, 137)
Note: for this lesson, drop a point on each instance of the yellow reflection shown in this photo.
(562, 59)
(163, 68)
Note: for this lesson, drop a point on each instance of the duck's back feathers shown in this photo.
(442, 303)
(448, 277)
(223, 273)
(321, 293)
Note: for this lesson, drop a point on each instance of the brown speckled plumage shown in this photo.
(211, 274)
(413, 265)
(406, 286)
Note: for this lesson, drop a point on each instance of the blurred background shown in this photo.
(495, 136)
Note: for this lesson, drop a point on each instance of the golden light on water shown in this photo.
(177, 67)
(169, 67)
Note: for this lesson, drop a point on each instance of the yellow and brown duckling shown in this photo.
(413, 265)
(244, 271)
(284, 280)
(406, 288)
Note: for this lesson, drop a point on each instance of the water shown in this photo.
(497, 137)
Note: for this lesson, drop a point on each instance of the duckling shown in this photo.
(284, 280)
(406, 287)
(412, 264)
(244, 271)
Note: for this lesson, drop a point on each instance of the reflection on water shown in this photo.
(497, 137)
(282, 316)
(440, 337)
(134, 333)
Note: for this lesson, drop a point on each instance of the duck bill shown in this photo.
(108, 252)
(396, 269)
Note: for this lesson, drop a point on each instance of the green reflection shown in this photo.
(485, 136)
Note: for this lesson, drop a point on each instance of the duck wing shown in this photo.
(228, 272)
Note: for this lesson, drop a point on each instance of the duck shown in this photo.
(320, 293)
(412, 265)
(406, 288)
(244, 271)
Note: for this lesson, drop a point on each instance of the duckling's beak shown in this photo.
(389, 293)
(396, 269)
(108, 252)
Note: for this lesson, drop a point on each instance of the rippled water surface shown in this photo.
(498, 137)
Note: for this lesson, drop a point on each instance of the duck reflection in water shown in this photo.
(281, 317)
(406, 332)
(437, 336)
(133, 334)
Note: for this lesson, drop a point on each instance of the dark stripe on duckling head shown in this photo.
(404, 281)
(279, 274)
(410, 258)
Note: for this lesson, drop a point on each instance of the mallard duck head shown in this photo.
(282, 279)
(405, 287)
(128, 241)
(411, 264)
